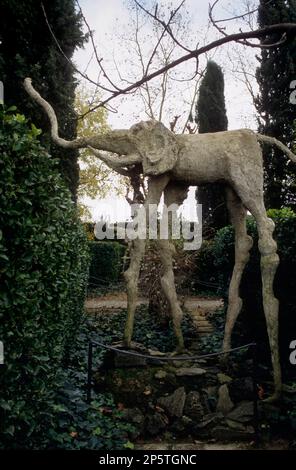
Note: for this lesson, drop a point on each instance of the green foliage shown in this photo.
(106, 262)
(204, 278)
(44, 268)
(27, 49)
(276, 72)
(148, 330)
(211, 117)
(95, 178)
(213, 342)
(72, 423)
(210, 108)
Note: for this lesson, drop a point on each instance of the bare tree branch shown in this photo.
(115, 91)
(166, 25)
(244, 42)
(237, 17)
(235, 37)
(99, 61)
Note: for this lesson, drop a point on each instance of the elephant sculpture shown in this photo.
(174, 162)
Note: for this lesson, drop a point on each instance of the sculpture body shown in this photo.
(173, 163)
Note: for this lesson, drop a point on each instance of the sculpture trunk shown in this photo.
(117, 141)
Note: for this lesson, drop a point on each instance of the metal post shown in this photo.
(255, 394)
(89, 371)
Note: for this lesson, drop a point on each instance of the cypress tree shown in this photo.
(27, 48)
(275, 74)
(211, 117)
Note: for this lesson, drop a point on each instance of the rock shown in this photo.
(203, 429)
(160, 374)
(132, 386)
(235, 425)
(224, 433)
(223, 378)
(133, 415)
(190, 372)
(243, 413)
(156, 423)
(182, 425)
(224, 404)
(193, 407)
(211, 418)
(174, 403)
(156, 353)
(181, 364)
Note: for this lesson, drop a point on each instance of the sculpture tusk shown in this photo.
(118, 162)
(111, 162)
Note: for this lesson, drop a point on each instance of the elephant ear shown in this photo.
(157, 146)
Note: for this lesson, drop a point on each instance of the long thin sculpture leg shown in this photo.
(269, 263)
(243, 244)
(253, 199)
(173, 194)
(156, 186)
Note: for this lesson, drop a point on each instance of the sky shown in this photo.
(111, 22)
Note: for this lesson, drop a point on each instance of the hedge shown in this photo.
(106, 262)
(44, 269)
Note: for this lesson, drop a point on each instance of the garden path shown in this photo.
(199, 308)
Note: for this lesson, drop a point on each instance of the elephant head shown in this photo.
(156, 145)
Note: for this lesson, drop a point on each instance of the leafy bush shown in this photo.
(205, 276)
(106, 262)
(44, 268)
(74, 424)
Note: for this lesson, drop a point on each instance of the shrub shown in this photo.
(44, 268)
(205, 275)
(106, 262)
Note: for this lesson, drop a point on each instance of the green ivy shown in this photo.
(148, 330)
